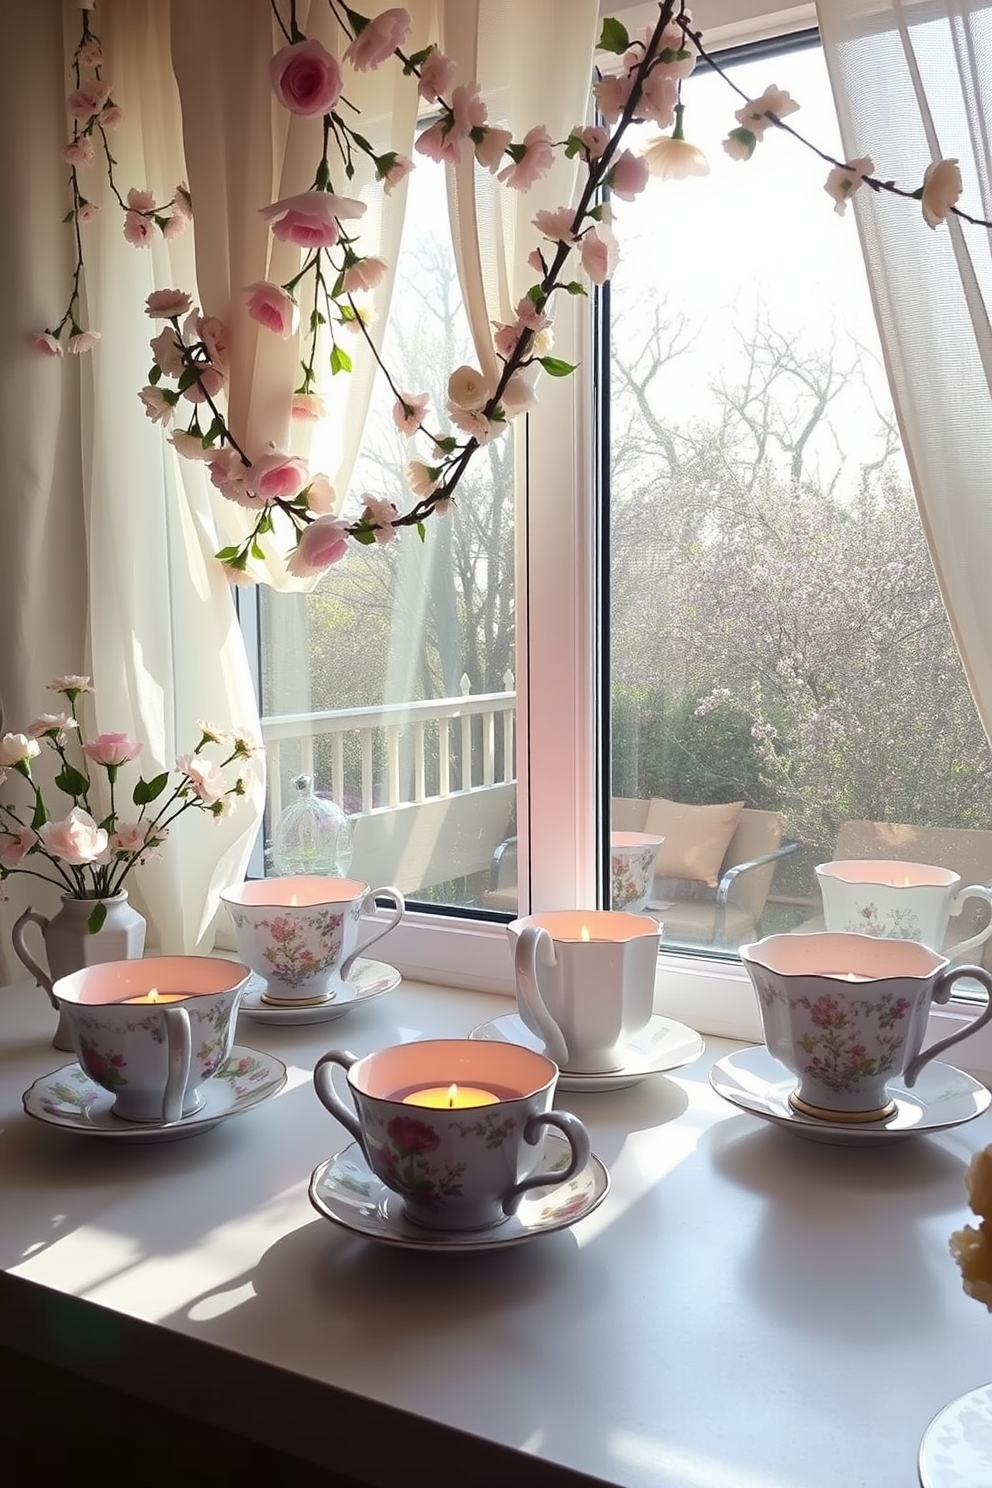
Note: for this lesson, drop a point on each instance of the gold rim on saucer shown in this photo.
(296, 1002)
(824, 1113)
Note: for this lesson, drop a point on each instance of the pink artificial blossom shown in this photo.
(593, 139)
(437, 73)
(87, 211)
(89, 54)
(46, 344)
(383, 513)
(278, 476)
(659, 95)
(323, 542)
(308, 407)
(191, 446)
(754, 114)
(130, 838)
(15, 844)
(556, 226)
(321, 496)
(140, 201)
(18, 749)
(408, 412)
(536, 262)
(79, 151)
(529, 317)
(468, 388)
(309, 219)
(157, 406)
(138, 230)
(378, 40)
(229, 475)
(167, 352)
(306, 78)
(82, 341)
(173, 227)
(599, 254)
(673, 159)
(441, 143)
(112, 116)
(364, 274)
(216, 338)
(76, 840)
(72, 684)
(844, 180)
(611, 95)
(628, 175)
(272, 307)
(167, 304)
(740, 143)
(205, 777)
(942, 186)
(536, 161)
(473, 422)
(468, 108)
(112, 750)
(87, 100)
(419, 478)
(505, 339)
(182, 202)
(53, 725)
(209, 382)
(519, 393)
(489, 151)
(397, 171)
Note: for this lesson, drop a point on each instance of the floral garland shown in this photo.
(191, 351)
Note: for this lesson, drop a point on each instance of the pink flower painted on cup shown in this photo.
(377, 41)
(112, 750)
(306, 78)
(411, 1135)
(76, 840)
(272, 307)
(324, 542)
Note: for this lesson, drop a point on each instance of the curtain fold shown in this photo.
(913, 84)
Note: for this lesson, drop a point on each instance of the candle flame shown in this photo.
(294, 903)
(452, 1096)
(153, 994)
(584, 933)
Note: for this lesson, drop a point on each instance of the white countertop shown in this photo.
(745, 1310)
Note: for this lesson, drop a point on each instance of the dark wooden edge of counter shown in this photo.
(348, 1438)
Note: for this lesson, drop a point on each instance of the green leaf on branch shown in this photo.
(215, 431)
(257, 552)
(362, 143)
(575, 288)
(155, 375)
(96, 919)
(340, 361)
(187, 378)
(147, 791)
(421, 532)
(384, 163)
(614, 36)
(446, 445)
(364, 533)
(556, 367)
(72, 781)
(231, 555)
(39, 816)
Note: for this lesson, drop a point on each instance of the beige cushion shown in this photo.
(696, 837)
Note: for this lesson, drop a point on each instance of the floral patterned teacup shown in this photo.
(632, 856)
(301, 934)
(847, 1014)
(904, 901)
(455, 1127)
(153, 1031)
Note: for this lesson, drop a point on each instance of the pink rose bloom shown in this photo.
(492, 147)
(323, 542)
(167, 352)
(611, 94)
(382, 513)
(469, 388)
(112, 750)
(378, 40)
(408, 418)
(536, 161)
(437, 73)
(397, 172)
(439, 143)
(129, 838)
(321, 496)
(308, 408)
(87, 211)
(272, 307)
(156, 404)
(56, 725)
(15, 844)
(79, 151)
(82, 341)
(76, 840)
(365, 274)
(306, 78)
(942, 186)
(139, 231)
(47, 344)
(87, 100)
(309, 219)
(204, 775)
(556, 226)
(216, 338)
(599, 254)
(278, 476)
(628, 175)
(593, 139)
(210, 382)
(90, 54)
(167, 304)
(111, 116)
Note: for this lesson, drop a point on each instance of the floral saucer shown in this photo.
(754, 1081)
(956, 1450)
(71, 1100)
(663, 1045)
(346, 1191)
(368, 979)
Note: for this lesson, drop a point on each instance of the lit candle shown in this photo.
(585, 933)
(156, 997)
(854, 976)
(451, 1097)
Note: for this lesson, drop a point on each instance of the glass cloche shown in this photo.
(311, 835)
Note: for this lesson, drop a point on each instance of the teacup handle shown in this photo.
(180, 1046)
(369, 907)
(535, 943)
(973, 891)
(943, 983)
(323, 1084)
(577, 1138)
(41, 976)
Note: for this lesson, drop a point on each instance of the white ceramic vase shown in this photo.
(70, 946)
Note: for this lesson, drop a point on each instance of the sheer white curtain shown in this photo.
(913, 84)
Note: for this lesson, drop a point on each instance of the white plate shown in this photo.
(345, 1190)
(663, 1045)
(956, 1451)
(368, 979)
(69, 1099)
(754, 1081)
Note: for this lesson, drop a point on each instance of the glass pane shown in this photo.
(784, 678)
(391, 684)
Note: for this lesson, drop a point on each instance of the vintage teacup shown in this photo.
(632, 856)
(904, 901)
(152, 1032)
(847, 1014)
(585, 983)
(301, 934)
(455, 1127)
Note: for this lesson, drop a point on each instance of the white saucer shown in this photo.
(345, 1190)
(368, 979)
(753, 1080)
(663, 1045)
(956, 1450)
(69, 1099)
